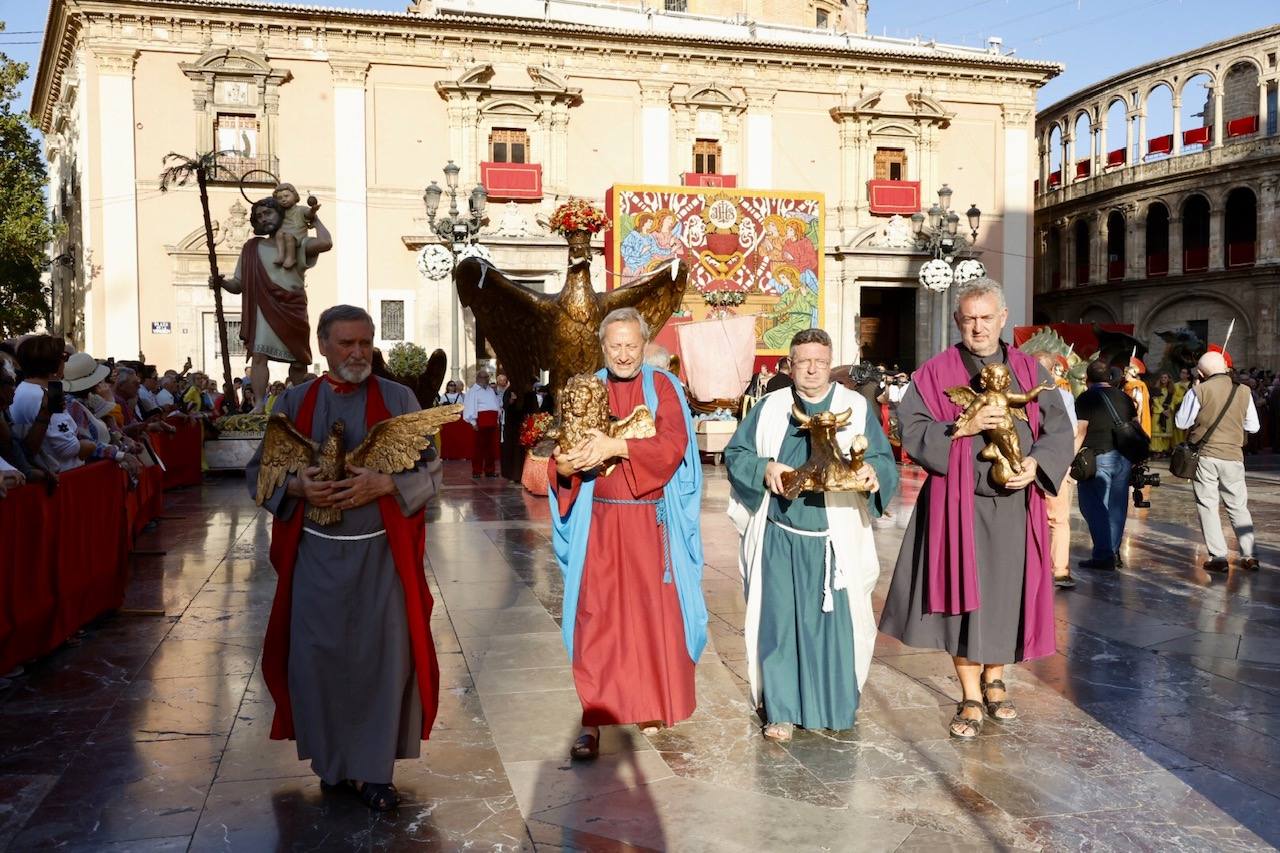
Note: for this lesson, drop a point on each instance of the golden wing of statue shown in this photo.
(962, 395)
(396, 444)
(517, 321)
(638, 424)
(656, 295)
(1019, 413)
(285, 451)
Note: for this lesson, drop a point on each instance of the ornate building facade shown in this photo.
(538, 100)
(1156, 202)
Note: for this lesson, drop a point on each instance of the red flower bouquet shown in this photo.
(578, 214)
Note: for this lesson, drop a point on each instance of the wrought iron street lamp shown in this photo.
(937, 232)
(457, 233)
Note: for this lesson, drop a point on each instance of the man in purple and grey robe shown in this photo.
(974, 576)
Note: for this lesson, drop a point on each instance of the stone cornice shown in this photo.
(288, 32)
(349, 74)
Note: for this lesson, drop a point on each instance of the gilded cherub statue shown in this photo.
(296, 223)
(1004, 449)
(826, 469)
(391, 446)
(584, 406)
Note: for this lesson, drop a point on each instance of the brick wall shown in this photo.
(1240, 96)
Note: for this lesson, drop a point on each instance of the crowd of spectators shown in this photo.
(60, 409)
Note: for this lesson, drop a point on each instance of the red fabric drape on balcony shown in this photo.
(1160, 144)
(1242, 126)
(1158, 263)
(1197, 136)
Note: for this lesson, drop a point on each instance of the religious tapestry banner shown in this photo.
(749, 253)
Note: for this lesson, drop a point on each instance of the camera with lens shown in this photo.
(1141, 476)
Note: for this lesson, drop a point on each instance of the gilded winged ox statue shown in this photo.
(391, 446)
(532, 331)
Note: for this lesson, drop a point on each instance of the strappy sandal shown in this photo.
(585, 748)
(379, 796)
(964, 728)
(994, 707)
(779, 732)
(1064, 581)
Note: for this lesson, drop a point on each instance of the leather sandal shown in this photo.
(994, 706)
(1249, 564)
(779, 732)
(379, 796)
(1064, 581)
(965, 728)
(585, 748)
(651, 728)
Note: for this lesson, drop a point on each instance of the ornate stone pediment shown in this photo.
(477, 84)
(919, 109)
(710, 96)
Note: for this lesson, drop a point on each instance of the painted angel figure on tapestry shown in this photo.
(654, 241)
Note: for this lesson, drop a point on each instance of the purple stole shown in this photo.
(951, 584)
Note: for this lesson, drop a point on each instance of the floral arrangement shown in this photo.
(534, 428)
(578, 214)
(407, 360)
(723, 298)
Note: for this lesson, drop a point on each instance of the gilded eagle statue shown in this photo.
(392, 446)
(532, 331)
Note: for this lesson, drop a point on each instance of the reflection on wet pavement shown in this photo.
(1155, 727)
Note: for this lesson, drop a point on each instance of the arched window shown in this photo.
(1115, 152)
(1197, 113)
(1158, 122)
(1240, 228)
(1081, 234)
(1157, 240)
(1195, 234)
(1052, 269)
(1240, 100)
(1083, 135)
(1055, 157)
(1115, 246)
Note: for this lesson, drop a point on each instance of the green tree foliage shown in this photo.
(25, 230)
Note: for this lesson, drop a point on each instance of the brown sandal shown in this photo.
(964, 728)
(779, 732)
(585, 748)
(997, 705)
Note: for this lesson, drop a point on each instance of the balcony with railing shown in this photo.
(234, 168)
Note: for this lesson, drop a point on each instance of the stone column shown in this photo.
(1099, 147)
(759, 141)
(1262, 106)
(1135, 248)
(1175, 244)
(350, 186)
(655, 133)
(1128, 139)
(1068, 250)
(731, 144)
(558, 152)
(1098, 257)
(1217, 240)
(1269, 221)
(1142, 135)
(1016, 211)
(852, 141)
(847, 340)
(1042, 153)
(116, 159)
(1177, 124)
(1216, 92)
(1068, 159)
(684, 139)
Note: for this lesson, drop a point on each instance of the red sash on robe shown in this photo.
(407, 538)
(284, 310)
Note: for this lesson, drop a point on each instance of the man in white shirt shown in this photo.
(1220, 471)
(482, 408)
(164, 397)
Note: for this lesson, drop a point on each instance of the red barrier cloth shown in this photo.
(181, 454)
(456, 440)
(63, 559)
(145, 502)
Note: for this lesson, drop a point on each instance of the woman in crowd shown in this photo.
(39, 411)
(1162, 412)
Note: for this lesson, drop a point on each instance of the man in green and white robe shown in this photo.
(808, 565)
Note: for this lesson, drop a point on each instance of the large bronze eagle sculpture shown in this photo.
(532, 331)
(392, 446)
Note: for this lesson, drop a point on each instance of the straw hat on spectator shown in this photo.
(82, 371)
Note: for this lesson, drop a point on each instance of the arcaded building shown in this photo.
(1156, 199)
(539, 101)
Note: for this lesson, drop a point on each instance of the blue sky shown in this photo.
(1094, 38)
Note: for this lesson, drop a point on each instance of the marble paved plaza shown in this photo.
(1155, 727)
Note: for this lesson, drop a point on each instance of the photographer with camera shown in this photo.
(1104, 496)
(1217, 413)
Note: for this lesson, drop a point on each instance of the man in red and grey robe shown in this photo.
(629, 545)
(348, 657)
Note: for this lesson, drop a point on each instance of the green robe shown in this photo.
(806, 655)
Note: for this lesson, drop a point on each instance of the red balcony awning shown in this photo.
(698, 179)
(889, 197)
(1083, 167)
(1055, 179)
(1242, 126)
(1197, 136)
(1160, 144)
(1117, 157)
(512, 181)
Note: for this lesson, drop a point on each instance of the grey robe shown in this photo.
(991, 634)
(355, 698)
